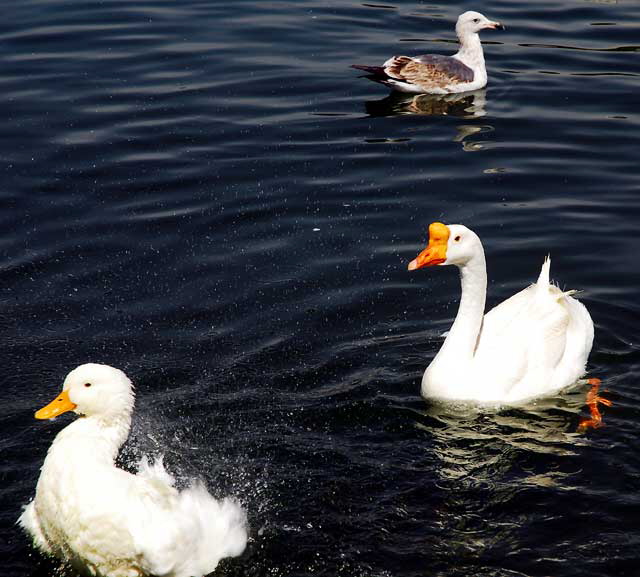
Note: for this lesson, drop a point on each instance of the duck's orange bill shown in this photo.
(60, 405)
(436, 251)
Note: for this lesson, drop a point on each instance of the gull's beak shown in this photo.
(494, 25)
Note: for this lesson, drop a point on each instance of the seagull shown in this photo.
(435, 73)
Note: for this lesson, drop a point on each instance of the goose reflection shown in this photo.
(468, 435)
(499, 475)
(461, 105)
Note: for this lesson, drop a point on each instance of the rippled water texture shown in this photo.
(205, 195)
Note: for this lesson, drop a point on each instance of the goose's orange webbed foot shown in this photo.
(592, 401)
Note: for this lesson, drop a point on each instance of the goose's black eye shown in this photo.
(457, 239)
(476, 20)
(87, 384)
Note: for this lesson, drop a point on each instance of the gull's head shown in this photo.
(472, 22)
(448, 244)
(92, 390)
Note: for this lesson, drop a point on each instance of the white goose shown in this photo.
(533, 344)
(106, 522)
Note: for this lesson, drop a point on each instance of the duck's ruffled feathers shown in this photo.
(190, 526)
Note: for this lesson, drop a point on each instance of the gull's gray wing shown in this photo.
(429, 70)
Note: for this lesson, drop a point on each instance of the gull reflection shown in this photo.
(465, 105)
(462, 105)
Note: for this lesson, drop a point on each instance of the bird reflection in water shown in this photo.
(466, 105)
(461, 105)
(491, 468)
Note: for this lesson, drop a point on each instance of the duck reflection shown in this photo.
(461, 105)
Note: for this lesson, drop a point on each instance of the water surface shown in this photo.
(205, 195)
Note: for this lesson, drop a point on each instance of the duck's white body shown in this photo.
(533, 344)
(107, 522)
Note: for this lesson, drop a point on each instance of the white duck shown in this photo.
(107, 522)
(533, 344)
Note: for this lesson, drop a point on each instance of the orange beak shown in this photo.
(436, 251)
(60, 405)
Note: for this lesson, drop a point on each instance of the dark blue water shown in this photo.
(205, 195)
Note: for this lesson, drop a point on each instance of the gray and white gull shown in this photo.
(436, 73)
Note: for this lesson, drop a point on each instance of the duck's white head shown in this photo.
(92, 390)
(448, 244)
(472, 22)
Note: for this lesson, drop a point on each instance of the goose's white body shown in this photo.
(533, 344)
(105, 521)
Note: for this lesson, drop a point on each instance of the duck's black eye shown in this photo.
(87, 384)
(457, 239)
(476, 20)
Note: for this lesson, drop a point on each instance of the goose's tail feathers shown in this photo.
(543, 284)
(543, 279)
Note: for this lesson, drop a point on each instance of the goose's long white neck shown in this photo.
(460, 344)
(93, 438)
